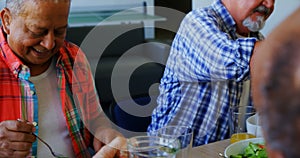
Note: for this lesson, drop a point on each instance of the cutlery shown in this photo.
(221, 155)
(55, 154)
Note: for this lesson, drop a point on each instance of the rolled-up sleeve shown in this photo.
(205, 52)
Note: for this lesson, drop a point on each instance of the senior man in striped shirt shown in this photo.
(208, 70)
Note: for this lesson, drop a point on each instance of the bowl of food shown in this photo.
(253, 126)
(246, 148)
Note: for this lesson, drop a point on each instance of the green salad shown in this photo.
(253, 150)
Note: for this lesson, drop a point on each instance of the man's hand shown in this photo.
(109, 144)
(16, 138)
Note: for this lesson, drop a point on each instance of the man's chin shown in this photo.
(39, 61)
(254, 25)
(255, 29)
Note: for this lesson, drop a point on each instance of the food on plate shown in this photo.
(253, 150)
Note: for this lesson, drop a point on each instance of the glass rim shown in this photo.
(173, 131)
(134, 148)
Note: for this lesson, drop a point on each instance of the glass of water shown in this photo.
(152, 146)
(182, 134)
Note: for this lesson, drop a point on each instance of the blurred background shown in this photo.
(282, 9)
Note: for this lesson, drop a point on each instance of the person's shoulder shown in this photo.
(72, 49)
(201, 17)
(199, 12)
(70, 45)
(71, 52)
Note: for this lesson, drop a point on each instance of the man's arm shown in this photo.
(255, 54)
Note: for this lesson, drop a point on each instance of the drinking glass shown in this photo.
(182, 134)
(237, 122)
(152, 147)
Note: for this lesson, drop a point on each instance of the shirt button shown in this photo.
(32, 92)
(24, 68)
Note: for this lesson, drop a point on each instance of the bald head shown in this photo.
(280, 99)
(273, 56)
(276, 88)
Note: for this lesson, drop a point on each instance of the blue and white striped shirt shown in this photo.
(204, 74)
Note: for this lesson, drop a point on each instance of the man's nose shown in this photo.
(48, 41)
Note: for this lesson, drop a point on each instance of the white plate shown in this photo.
(238, 147)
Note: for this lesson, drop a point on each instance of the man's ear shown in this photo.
(6, 19)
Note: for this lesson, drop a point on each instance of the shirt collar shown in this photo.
(6, 53)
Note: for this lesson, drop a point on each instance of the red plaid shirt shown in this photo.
(76, 85)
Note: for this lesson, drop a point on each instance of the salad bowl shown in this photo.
(239, 147)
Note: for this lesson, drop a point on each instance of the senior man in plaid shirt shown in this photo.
(47, 80)
(208, 69)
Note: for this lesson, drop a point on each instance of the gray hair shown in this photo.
(15, 5)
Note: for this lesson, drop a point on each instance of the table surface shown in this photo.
(211, 150)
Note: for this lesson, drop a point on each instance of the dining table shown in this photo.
(210, 150)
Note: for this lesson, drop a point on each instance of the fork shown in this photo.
(49, 147)
(57, 155)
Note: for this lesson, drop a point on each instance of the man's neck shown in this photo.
(39, 69)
